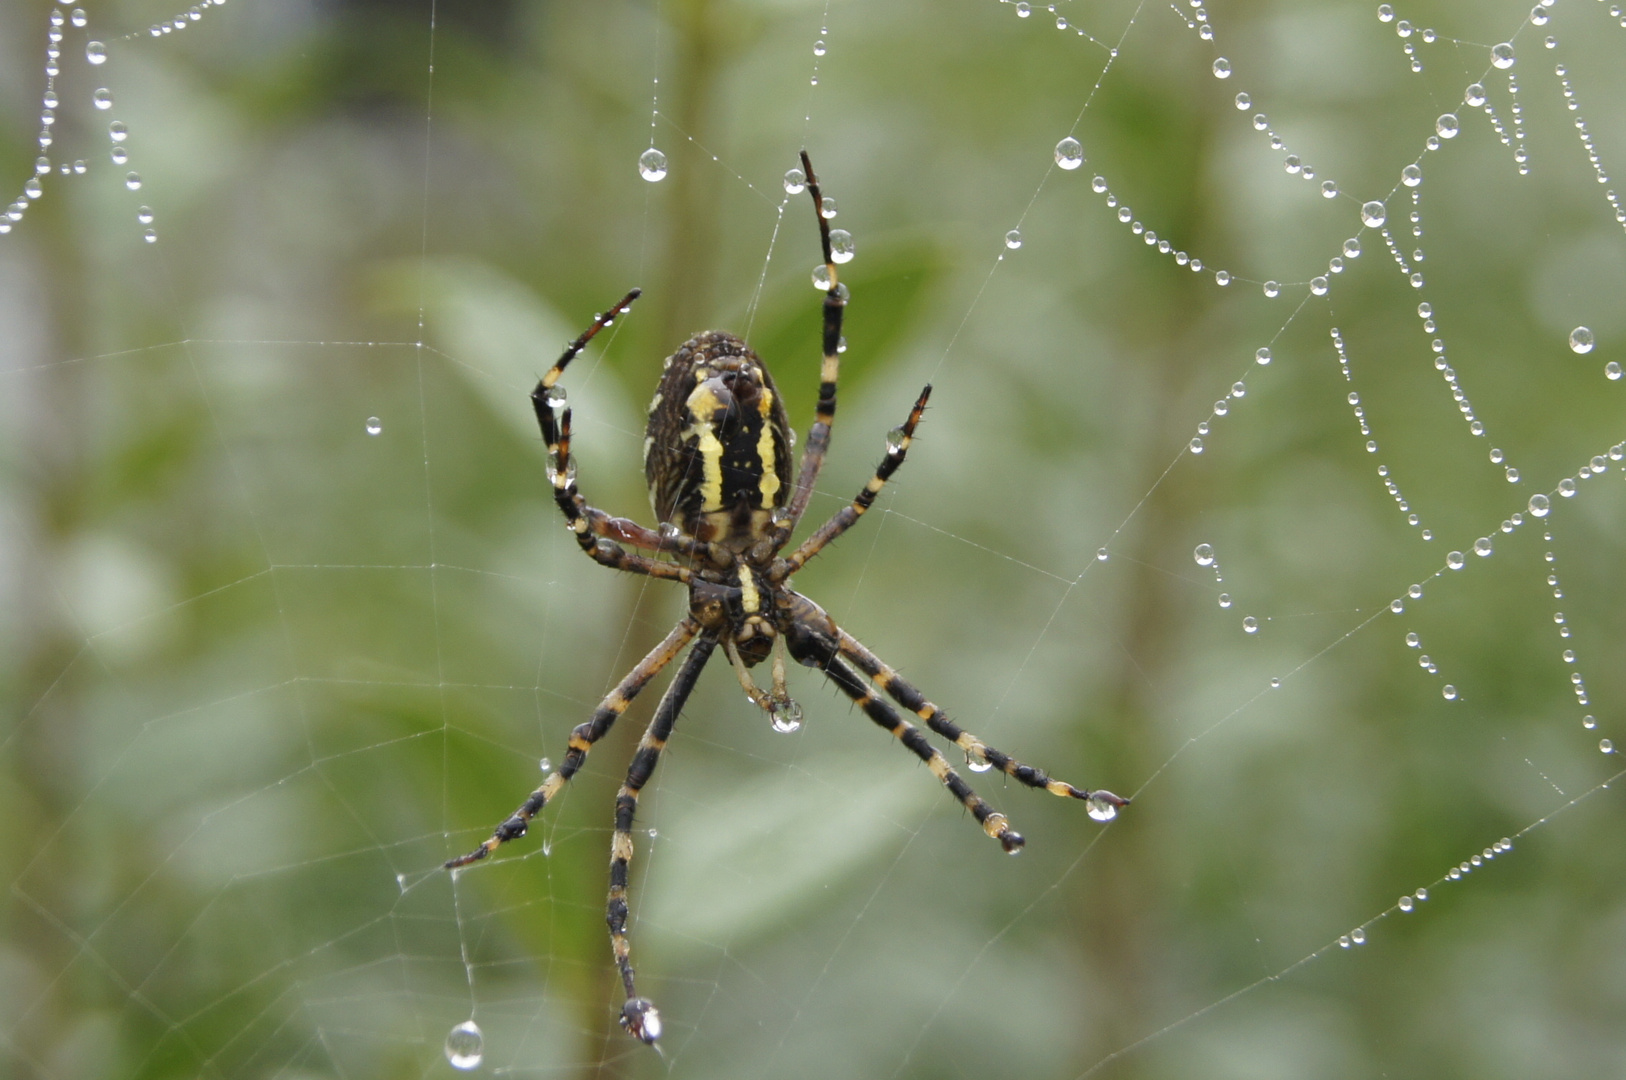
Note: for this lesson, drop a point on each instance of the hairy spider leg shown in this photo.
(580, 517)
(975, 749)
(585, 520)
(847, 516)
(638, 1015)
(856, 687)
(582, 738)
(818, 437)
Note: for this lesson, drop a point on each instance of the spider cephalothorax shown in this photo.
(717, 455)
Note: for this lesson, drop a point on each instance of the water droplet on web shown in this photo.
(1344, 942)
(1612, 371)
(1204, 554)
(819, 47)
(1239, 389)
(841, 245)
(1275, 683)
(1023, 10)
(1482, 547)
(133, 181)
(1352, 248)
(1318, 286)
(569, 469)
(786, 716)
(150, 236)
(1605, 746)
(1446, 126)
(1449, 692)
(1222, 277)
(1013, 239)
(1455, 561)
(374, 425)
(1195, 446)
(652, 165)
(1102, 555)
(1222, 68)
(1502, 55)
(1243, 101)
(1101, 805)
(117, 131)
(465, 1046)
(1474, 95)
(119, 155)
(102, 98)
(1566, 488)
(1250, 625)
(795, 181)
(1411, 176)
(1581, 340)
(1373, 214)
(1540, 505)
(95, 52)
(1224, 599)
(1405, 903)
(1069, 153)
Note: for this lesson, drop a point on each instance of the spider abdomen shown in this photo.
(717, 449)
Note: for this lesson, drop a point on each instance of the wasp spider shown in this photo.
(717, 457)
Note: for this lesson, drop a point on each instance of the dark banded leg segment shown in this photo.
(896, 449)
(1103, 804)
(582, 739)
(638, 1015)
(856, 687)
(824, 414)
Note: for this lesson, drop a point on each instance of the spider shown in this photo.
(718, 462)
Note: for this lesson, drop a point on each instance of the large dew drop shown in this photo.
(652, 165)
(1373, 214)
(1581, 340)
(1069, 153)
(465, 1046)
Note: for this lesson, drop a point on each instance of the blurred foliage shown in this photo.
(264, 671)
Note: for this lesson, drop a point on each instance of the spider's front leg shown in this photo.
(582, 739)
(638, 1015)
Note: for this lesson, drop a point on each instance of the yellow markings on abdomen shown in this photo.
(703, 405)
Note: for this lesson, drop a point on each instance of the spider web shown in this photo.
(1273, 477)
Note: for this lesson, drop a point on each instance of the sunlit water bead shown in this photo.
(1502, 55)
(1013, 239)
(1540, 505)
(1069, 153)
(795, 181)
(102, 98)
(652, 165)
(1581, 340)
(95, 52)
(1446, 126)
(1250, 625)
(465, 1046)
(1101, 805)
(1612, 371)
(1222, 68)
(375, 426)
(785, 716)
(1455, 561)
(841, 246)
(1373, 215)
(1244, 102)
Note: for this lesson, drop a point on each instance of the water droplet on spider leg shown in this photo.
(977, 761)
(1069, 153)
(465, 1046)
(841, 245)
(652, 165)
(795, 182)
(374, 425)
(102, 98)
(1102, 805)
(894, 440)
(95, 52)
(555, 397)
(786, 716)
(1581, 340)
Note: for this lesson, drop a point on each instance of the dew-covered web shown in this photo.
(1272, 477)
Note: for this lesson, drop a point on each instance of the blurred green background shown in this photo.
(262, 671)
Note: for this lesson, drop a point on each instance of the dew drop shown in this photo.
(786, 716)
(1581, 340)
(117, 132)
(819, 47)
(1250, 625)
(1373, 214)
(1222, 277)
(1329, 189)
(1069, 153)
(827, 208)
(133, 181)
(1358, 936)
(1449, 692)
(465, 1046)
(1195, 446)
(1243, 101)
(32, 188)
(1474, 95)
(1605, 746)
(841, 246)
(1405, 903)
(1013, 239)
(1344, 942)
(1023, 10)
(1539, 505)
(95, 52)
(1612, 371)
(1275, 683)
(652, 165)
(1413, 641)
(374, 425)
(1318, 286)
(1566, 488)
(1455, 561)
(895, 440)
(1273, 289)
(1222, 68)
(1204, 554)
(1102, 805)
(821, 277)
(1482, 547)
(1446, 126)
(1502, 55)
(977, 761)
(545, 765)
(1224, 599)
(1102, 555)
(795, 181)
(1352, 248)
(102, 98)
(1411, 175)
(1239, 389)
(1262, 356)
